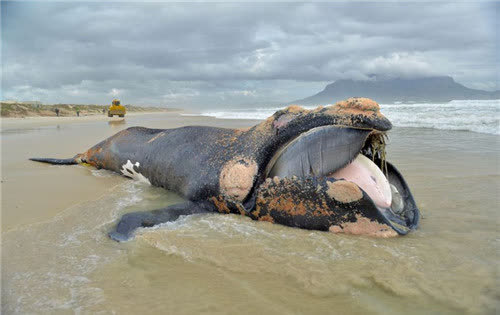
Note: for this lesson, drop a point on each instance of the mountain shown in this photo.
(431, 89)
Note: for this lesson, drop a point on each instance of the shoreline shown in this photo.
(22, 110)
(183, 116)
(7, 123)
(88, 116)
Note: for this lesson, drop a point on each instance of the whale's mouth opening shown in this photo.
(355, 155)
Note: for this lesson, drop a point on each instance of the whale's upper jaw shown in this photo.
(322, 140)
(323, 151)
(356, 112)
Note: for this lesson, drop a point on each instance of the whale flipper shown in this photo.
(131, 221)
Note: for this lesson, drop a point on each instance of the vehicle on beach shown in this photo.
(116, 109)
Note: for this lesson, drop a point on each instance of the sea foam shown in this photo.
(470, 115)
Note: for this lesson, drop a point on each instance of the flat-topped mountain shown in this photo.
(431, 89)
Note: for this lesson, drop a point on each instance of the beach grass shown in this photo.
(18, 110)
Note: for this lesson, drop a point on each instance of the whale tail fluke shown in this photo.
(70, 161)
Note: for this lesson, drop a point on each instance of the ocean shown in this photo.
(481, 116)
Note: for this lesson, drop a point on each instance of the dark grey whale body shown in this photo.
(278, 171)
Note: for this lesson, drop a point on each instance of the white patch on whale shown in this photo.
(128, 170)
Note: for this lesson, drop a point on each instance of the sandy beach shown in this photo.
(41, 121)
(57, 258)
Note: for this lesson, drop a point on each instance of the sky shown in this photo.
(197, 55)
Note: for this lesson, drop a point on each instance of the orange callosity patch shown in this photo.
(359, 103)
(344, 191)
(237, 177)
(220, 205)
(266, 218)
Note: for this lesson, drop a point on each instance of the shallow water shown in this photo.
(61, 261)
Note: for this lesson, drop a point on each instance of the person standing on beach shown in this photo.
(77, 113)
(57, 111)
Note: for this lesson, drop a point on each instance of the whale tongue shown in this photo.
(364, 173)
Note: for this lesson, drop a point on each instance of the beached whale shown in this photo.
(322, 169)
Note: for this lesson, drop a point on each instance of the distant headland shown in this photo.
(420, 90)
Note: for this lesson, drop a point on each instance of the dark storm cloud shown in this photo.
(240, 53)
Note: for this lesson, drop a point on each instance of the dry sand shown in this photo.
(40, 121)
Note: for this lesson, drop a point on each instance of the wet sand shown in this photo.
(56, 257)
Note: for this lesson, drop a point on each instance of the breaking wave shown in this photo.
(471, 115)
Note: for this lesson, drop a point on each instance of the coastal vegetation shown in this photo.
(34, 109)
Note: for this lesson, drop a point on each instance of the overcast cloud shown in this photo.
(206, 55)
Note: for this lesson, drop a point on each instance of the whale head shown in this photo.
(323, 169)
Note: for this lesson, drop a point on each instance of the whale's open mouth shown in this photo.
(355, 155)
